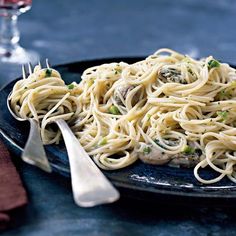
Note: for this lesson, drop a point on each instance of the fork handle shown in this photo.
(90, 187)
(34, 153)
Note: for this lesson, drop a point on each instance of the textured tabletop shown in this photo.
(71, 30)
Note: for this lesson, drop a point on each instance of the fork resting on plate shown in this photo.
(89, 185)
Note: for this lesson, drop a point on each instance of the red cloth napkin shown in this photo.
(12, 192)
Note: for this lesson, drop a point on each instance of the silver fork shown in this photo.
(33, 152)
(89, 185)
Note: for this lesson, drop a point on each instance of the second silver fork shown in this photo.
(90, 187)
(33, 152)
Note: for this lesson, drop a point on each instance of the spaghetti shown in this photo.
(167, 109)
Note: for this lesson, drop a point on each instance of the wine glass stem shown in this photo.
(9, 33)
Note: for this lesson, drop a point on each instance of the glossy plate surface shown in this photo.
(139, 180)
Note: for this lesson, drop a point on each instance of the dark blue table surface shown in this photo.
(65, 31)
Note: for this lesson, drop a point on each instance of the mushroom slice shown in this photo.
(121, 93)
(184, 160)
(171, 75)
(154, 156)
(187, 159)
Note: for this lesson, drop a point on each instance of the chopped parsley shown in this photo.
(48, 72)
(91, 81)
(188, 150)
(147, 150)
(223, 114)
(114, 110)
(190, 71)
(224, 93)
(70, 86)
(117, 71)
(233, 84)
(186, 59)
(213, 63)
(149, 116)
(229, 91)
(103, 142)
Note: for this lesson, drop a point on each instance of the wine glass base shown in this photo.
(19, 56)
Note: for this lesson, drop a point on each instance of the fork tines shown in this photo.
(26, 73)
(47, 63)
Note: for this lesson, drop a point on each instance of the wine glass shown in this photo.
(10, 50)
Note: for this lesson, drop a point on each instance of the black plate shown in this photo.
(139, 180)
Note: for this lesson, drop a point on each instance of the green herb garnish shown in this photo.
(213, 63)
(103, 142)
(48, 72)
(147, 150)
(186, 59)
(117, 70)
(114, 110)
(91, 81)
(70, 86)
(224, 93)
(223, 114)
(229, 91)
(233, 84)
(190, 71)
(149, 116)
(188, 150)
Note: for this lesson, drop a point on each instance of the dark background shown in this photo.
(70, 30)
(66, 31)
